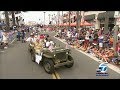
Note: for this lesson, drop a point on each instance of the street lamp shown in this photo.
(78, 21)
(58, 18)
(116, 27)
(62, 17)
(44, 20)
(106, 22)
(39, 21)
(49, 18)
(69, 21)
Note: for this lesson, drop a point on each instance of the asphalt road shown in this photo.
(84, 67)
(15, 63)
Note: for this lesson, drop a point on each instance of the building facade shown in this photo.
(18, 19)
(99, 19)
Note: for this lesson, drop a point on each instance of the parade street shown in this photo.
(16, 63)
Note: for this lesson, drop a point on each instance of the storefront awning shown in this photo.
(82, 24)
(102, 15)
(89, 17)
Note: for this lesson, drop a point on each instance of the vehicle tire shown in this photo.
(33, 57)
(48, 66)
(71, 64)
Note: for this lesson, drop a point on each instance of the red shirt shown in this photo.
(42, 36)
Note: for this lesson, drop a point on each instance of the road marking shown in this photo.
(12, 41)
(2, 51)
(55, 75)
(114, 68)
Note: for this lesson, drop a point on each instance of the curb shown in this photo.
(116, 69)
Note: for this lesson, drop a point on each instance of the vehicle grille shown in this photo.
(61, 55)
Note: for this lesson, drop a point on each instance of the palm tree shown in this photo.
(17, 20)
(7, 20)
(13, 17)
(77, 21)
(106, 22)
(69, 20)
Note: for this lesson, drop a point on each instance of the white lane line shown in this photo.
(2, 51)
(115, 68)
(12, 41)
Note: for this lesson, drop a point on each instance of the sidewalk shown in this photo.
(111, 66)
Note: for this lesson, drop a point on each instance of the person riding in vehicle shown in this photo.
(38, 46)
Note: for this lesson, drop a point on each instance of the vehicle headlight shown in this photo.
(67, 53)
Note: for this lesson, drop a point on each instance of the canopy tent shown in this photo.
(66, 24)
(74, 24)
(61, 24)
(82, 24)
(86, 24)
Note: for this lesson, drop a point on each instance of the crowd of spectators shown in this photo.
(92, 41)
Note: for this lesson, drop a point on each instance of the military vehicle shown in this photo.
(54, 58)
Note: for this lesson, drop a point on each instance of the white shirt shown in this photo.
(5, 37)
(30, 39)
(68, 34)
(118, 35)
(59, 31)
(101, 37)
(87, 37)
(47, 44)
(51, 42)
(76, 34)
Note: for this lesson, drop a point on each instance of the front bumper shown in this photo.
(63, 63)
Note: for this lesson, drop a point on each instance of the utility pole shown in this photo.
(115, 39)
(69, 21)
(49, 18)
(39, 21)
(106, 22)
(0, 16)
(13, 17)
(7, 20)
(62, 17)
(44, 21)
(58, 18)
(78, 20)
(116, 27)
